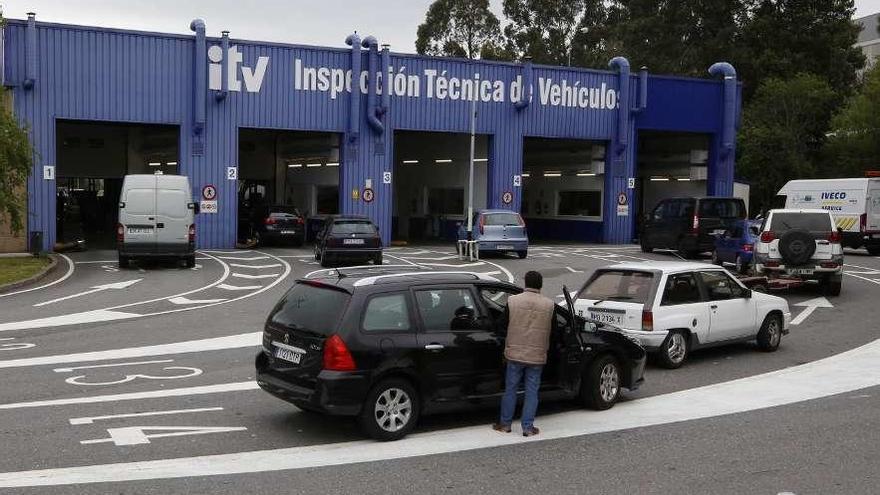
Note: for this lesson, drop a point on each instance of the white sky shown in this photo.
(310, 22)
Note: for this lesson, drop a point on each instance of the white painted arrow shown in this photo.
(809, 307)
(97, 288)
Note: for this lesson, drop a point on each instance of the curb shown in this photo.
(53, 262)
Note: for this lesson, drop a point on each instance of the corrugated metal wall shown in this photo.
(110, 75)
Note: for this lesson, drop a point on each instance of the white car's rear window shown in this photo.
(619, 285)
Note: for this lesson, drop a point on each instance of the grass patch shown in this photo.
(15, 269)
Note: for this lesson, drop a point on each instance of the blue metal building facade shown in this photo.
(93, 74)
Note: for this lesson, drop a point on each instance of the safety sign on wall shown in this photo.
(209, 199)
(622, 205)
(368, 195)
(507, 197)
(209, 192)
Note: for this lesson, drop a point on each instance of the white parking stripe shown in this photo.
(453, 265)
(202, 345)
(254, 277)
(237, 287)
(852, 370)
(184, 300)
(241, 258)
(153, 394)
(256, 267)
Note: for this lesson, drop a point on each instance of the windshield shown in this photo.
(619, 285)
(501, 219)
(811, 222)
(353, 227)
(311, 307)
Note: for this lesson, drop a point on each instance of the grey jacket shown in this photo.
(528, 330)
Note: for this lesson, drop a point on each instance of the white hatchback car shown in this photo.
(672, 308)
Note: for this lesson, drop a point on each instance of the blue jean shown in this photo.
(514, 376)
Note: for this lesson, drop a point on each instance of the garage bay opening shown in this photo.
(431, 183)
(92, 160)
(288, 182)
(670, 164)
(563, 183)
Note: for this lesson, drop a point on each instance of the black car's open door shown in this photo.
(573, 352)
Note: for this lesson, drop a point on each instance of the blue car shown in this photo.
(498, 231)
(737, 245)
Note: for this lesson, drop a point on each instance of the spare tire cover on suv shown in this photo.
(797, 247)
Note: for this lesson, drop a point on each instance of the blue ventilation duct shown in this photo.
(354, 98)
(643, 91)
(30, 75)
(224, 67)
(623, 109)
(525, 96)
(372, 45)
(386, 81)
(201, 69)
(728, 129)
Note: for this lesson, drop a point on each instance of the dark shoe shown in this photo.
(501, 428)
(531, 431)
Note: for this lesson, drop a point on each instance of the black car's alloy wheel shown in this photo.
(770, 334)
(391, 410)
(674, 350)
(600, 388)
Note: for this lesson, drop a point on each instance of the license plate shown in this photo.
(288, 354)
(603, 317)
(718, 232)
(288, 232)
(352, 241)
(800, 271)
(137, 230)
(504, 247)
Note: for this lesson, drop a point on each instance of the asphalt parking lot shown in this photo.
(151, 365)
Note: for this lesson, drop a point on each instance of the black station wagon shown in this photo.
(386, 346)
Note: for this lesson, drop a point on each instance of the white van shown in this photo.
(156, 219)
(854, 204)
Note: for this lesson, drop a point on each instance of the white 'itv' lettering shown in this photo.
(253, 78)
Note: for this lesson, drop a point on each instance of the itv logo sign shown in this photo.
(251, 77)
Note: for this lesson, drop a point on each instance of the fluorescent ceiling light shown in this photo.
(443, 160)
(155, 164)
(294, 165)
(553, 174)
(171, 164)
(410, 161)
(481, 159)
(333, 164)
(685, 179)
(526, 174)
(659, 179)
(313, 165)
(585, 174)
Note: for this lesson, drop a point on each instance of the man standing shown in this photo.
(528, 336)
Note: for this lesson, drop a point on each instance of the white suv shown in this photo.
(672, 308)
(803, 244)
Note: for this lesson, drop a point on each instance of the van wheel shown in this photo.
(124, 261)
(391, 410)
(600, 388)
(832, 284)
(522, 254)
(770, 334)
(190, 261)
(674, 350)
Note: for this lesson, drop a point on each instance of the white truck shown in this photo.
(854, 204)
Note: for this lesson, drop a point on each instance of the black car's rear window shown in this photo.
(501, 219)
(283, 211)
(811, 222)
(353, 227)
(619, 285)
(312, 308)
(722, 208)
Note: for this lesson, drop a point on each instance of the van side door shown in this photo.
(173, 216)
(137, 213)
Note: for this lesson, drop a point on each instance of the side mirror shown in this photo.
(747, 293)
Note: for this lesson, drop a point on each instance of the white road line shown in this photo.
(251, 339)
(436, 258)
(239, 258)
(183, 300)
(111, 365)
(153, 394)
(572, 270)
(492, 273)
(87, 420)
(453, 265)
(872, 280)
(66, 275)
(97, 288)
(226, 251)
(238, 287)
(256, 267)
(295, 256)
(254, 277)
(852, 370)
(96, 316)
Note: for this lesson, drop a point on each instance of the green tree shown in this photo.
(549, 30)
(784, 37)
(15, 163)
(783, 133)
(460, 28)
(854, 146)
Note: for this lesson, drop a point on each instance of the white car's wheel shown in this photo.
(674, 350)
(770, 334)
